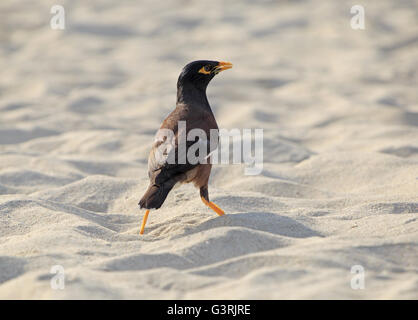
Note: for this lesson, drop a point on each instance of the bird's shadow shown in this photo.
(241, 238)
(260, 221)
(11, 267)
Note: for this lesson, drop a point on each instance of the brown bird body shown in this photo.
(193, 109)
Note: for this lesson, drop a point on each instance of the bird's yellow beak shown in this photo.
(223, 66)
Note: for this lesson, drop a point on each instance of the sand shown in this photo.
(339, 107)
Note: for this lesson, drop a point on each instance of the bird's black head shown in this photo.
(199, 73)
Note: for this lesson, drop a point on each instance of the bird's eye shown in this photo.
(206, 69)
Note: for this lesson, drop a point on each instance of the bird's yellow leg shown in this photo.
(213, 206)
(144, 222)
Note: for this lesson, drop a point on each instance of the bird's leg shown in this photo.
(213, 206)
(204, 194)
(144, 222)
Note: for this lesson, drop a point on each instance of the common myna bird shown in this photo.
(193, 108)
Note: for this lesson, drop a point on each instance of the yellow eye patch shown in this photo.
(204, 71)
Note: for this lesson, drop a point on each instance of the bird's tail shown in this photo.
(155, 196)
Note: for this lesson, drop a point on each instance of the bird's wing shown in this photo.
(163, 160)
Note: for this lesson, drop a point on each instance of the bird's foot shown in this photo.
(144, 222)
(213, 206)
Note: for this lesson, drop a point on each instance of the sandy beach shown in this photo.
(79, 109)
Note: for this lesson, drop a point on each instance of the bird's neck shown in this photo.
(188, 93)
